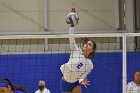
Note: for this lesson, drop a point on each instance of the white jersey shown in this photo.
(78, 67)
(44, 91)
(133, 88)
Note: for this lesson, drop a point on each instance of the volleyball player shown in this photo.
(75, 71)
(7, 87)
(134, 86)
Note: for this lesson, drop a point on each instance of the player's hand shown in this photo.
(77, 11)
(85, 82)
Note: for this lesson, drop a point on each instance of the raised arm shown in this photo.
(72, 19)
(73, 45)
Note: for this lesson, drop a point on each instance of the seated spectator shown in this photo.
(42, 87)
(134, 86)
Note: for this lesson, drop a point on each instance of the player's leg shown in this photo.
(77, 89)
(67, 87)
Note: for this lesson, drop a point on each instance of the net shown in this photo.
(26, 59)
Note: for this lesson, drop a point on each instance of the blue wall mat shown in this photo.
(133, 64)
(28, 69)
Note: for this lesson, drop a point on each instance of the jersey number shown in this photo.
(79, 65)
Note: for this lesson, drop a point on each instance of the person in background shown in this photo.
(42, 87)
(134, 86)
(7, 87)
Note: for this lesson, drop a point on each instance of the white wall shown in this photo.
(28, 16)
(138, 13)
(94, 14)
(24, 16)
(21, 15)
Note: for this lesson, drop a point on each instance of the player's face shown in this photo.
(137, 77)
(5, 90)
(88, 47)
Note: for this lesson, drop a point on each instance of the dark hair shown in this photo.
(85, 40)
(91, 55)
(73, 10)
(7, 81)
(21, 88)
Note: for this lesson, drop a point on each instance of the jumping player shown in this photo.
(75, 71)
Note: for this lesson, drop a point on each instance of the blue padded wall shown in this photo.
(28, 69)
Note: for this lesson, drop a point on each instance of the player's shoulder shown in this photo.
(47, 90)
(90, 61)
(19, 91)
(89, 64)
(37, 91)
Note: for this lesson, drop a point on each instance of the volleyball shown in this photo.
(72, 19)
